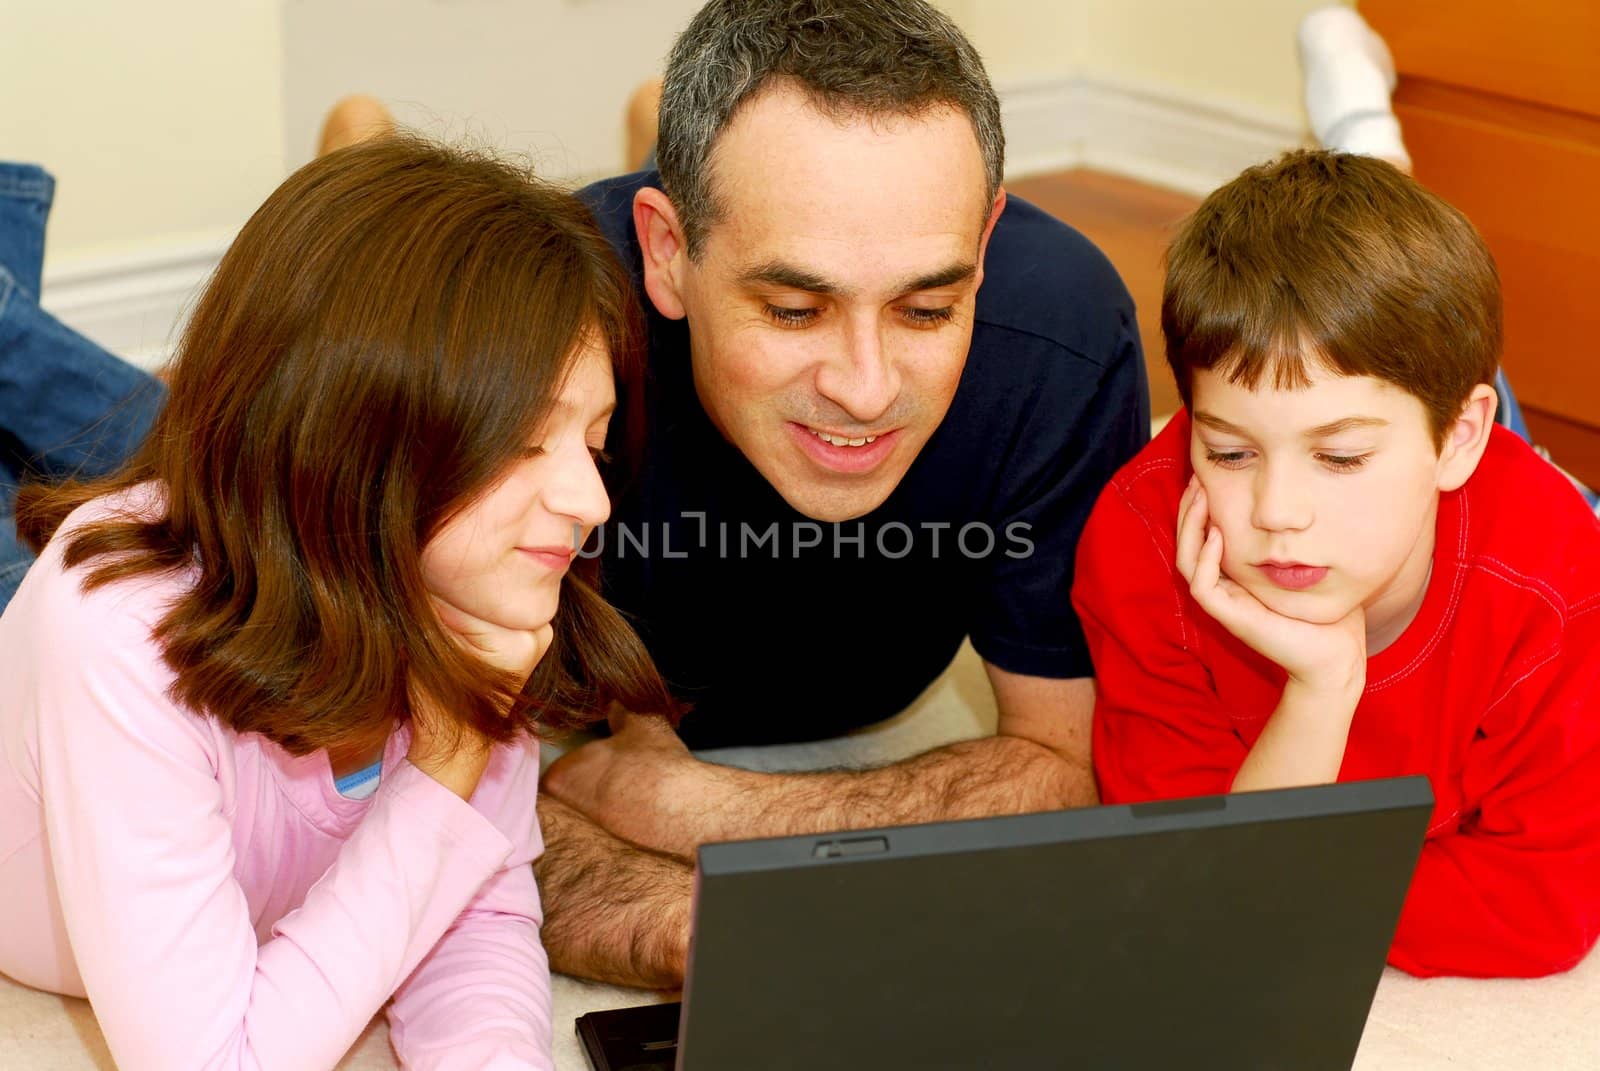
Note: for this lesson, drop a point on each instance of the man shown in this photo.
(857, 457)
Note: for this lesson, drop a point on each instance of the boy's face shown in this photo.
(1326, 496)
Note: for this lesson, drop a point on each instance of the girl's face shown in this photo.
(501, 559)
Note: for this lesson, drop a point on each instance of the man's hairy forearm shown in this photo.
(613, 911)
(973, 779)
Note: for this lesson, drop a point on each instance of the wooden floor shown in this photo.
(1132, 223)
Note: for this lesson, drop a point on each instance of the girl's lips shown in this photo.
(1292, 575)
(557, 558)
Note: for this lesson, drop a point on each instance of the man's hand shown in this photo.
(1319, 657)
(641, 784)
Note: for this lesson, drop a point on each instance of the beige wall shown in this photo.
(168, 121)
(1232, 52)
(548, 78)
(162, 120)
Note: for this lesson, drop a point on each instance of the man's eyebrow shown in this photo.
(777, 273)
(955, 273)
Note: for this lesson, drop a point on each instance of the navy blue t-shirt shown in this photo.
(776, 628)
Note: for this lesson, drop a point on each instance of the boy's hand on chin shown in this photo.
(1330, 657)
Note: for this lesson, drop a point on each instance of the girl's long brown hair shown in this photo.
(383, 338)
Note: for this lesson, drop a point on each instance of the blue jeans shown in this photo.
(67, 407)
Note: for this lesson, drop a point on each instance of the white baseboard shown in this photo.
(133, 304)
(1142, 132)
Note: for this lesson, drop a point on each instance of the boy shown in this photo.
(1333, 566)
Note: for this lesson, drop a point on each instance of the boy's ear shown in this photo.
(1467, 439)
(666, 257)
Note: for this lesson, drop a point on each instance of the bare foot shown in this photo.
(354, 119)
(640, 123)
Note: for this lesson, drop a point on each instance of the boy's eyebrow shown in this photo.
(1347, 424)
(1331, 428)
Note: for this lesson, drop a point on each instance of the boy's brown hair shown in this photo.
(380, 342)
(1340, 259)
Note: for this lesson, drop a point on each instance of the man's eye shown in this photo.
(1228, 459)
(787, 317)
(928, 317)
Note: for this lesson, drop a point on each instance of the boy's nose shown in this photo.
(1282, 500)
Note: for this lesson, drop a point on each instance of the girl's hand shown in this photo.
(512, 650)
(451, 753)
(1330, 657)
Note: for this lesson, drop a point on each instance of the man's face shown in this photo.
(1326, 497)
(832, 305)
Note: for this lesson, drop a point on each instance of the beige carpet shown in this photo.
(1442, 1024)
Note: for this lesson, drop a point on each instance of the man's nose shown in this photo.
(861, 378)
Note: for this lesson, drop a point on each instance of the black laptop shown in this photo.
(1234, 932)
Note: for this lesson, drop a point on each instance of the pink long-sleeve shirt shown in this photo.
(215, 898)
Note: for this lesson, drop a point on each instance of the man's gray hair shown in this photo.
(854, 57)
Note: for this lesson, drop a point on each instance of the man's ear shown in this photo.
(1467, 438)
(666, 257)
(995, 210)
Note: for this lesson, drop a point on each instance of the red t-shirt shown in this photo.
(1493, 692)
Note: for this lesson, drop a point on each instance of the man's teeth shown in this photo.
(839, 440)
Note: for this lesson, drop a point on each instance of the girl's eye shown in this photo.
(1228, 459)
(929, 317)
(533, 451)
(787, 317)
(600, 456)
(1343, 462)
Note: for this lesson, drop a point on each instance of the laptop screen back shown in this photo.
(1234, 932)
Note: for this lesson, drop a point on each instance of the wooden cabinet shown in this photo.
(1500, 106)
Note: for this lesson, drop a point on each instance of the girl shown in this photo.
(343, 559)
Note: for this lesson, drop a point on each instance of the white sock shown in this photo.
(1349, 77)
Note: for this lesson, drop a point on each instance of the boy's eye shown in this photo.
(784, 316)
(1228, 459)
(1344, 462)
(921, 317)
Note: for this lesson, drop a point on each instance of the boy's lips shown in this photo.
(1293, 576)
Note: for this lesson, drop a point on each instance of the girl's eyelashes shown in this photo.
(599, 455)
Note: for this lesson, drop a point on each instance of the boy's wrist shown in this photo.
(1325, 694)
